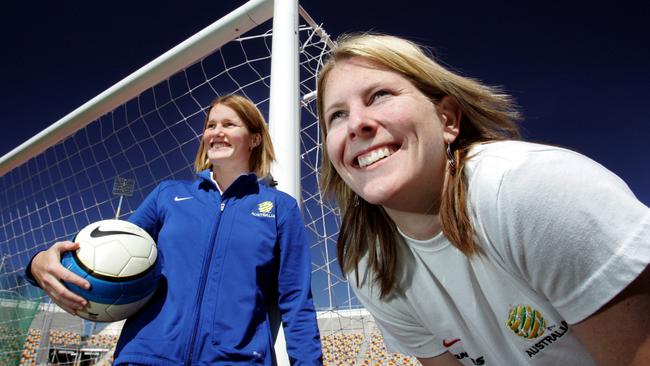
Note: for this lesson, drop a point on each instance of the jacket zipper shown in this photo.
(206, 266)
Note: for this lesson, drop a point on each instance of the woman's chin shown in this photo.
(376, 196)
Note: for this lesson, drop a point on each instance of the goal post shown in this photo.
(284, 123)
(284, 110)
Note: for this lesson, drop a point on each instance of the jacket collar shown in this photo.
(243, 184)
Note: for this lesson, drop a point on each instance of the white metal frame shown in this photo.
(284, 118)
(284, 108)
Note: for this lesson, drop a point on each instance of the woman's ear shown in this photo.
(256, 141)
(450, 114)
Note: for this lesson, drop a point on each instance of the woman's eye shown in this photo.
(336, 116)
(379, 94)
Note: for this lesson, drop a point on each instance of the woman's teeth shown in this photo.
(374, 156)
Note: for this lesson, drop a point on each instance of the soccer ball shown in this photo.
(118, 258)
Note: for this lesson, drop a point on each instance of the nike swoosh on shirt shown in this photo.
(178, 199)
(98, 233)
(448, 344)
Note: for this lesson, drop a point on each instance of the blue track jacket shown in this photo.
(225, 259)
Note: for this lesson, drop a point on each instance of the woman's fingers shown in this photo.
(62, 295)
(65, 275)
(50, 275)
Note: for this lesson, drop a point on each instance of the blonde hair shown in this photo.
(487, 115)
(262, 155)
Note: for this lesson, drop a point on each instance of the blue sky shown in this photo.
(579, 71)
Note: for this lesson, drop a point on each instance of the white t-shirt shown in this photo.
(560, 235)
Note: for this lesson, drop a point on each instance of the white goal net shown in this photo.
(49, 190)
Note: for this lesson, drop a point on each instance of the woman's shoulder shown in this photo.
(170, 187)
(282, 199)
(512, 153)
(171, 184)
(515, 181)
(518, 161)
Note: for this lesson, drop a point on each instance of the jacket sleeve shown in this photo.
(28, 273)
(294, 289)
(147, 214)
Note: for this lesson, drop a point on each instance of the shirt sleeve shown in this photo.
(294, 288)
(570, 228)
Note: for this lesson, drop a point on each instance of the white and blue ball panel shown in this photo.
(111, 290)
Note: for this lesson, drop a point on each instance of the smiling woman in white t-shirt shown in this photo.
(465, 244)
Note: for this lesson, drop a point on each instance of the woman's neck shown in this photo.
(417, 225)
(225, 177)
(417, 212)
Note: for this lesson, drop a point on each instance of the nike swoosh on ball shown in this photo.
(98, 233)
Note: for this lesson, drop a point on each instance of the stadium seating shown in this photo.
(339, 349)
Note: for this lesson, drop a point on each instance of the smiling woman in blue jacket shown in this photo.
(231, 247)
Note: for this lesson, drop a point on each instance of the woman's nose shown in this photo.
(216, 131)
(361, 125)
